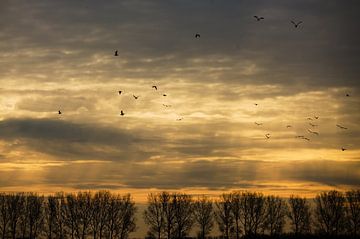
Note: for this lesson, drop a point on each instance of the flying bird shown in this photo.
(313, 132)
(259, 18)
(343, 149)
(309, 118)
(313, 125)
(164, 94)
(306, 139)
(347, 95)
(197, 35)
(136, 97)
(256, 104)
(341, 127)
(116, 53)
(316, 117)
(166, 105)
(300, 136)
(155, 87)
(122, 113)
(258, 123)
(59, 112)
(267, 136)
(120, 92)
(288, 126)
(178, 119)
(296, 24)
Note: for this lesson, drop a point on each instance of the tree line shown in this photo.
(76, 216)
(253, 215)
(173, 215)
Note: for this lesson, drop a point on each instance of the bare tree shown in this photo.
(203, 215)
(253, 212)
(99, 205)
(330, 212)
(276, 211)
(183, 209)
(235, 199)
(15, 207)
(224, 216)
(353, 212)
(35, 214)
(71, 214)
(154, 215)
(169, 213)
(4, 214)
(54, 216)
(299, 215)
(128, 211)
(113, 212)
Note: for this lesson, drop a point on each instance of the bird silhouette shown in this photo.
(59, 112)
(313, 125)
(136, 97)
(258, 123)
(300, 136)
(267, 136)
(122, 113)
(155, 87)
(341, 127)
(296, 24)
(116, 53)
(306, 139)
(309, 118)
(178, 119)
(166, 105)
(259, 18)
(288, 126)
(197, 35)
(256, 104)
(343, 149)
(313, 132)
(120, 92)
(347, 95)
(164, 94)
(316, 117)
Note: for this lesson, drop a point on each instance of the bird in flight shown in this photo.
(309, 118)
(347, 95)
(120, 92)
(166, 105)
(259, 18)
(164, 94)
(256, 104)
(178, 119)
(313, 125)
(155, 87)
(313, 132)
(59, 112)
(300, 136)
(306, 139)
(341, 127)
(122, 113)
(258, 123)
(116, 53)
(316, 117)
(136, 97)
(197, 35)
(296, 24)
(267, 136)
(343, 149)
(288, 126)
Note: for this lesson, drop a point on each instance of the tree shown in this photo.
(15, 207)
(169, 213)
(276, 211)
(35, 214)
(127, 220)
(224, 216)
(203, 216)
(330, 212)
(54, 216)
(154, 215)
(253, 212)
(235, 199)
(353, 211)
(99, 204)
(4, 214)
(299, 215)
(183, 214)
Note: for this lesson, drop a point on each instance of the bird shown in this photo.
(197, 35)
(256, 104)
(155, 87)
(306, 139)
(136, 97)
(309, 118)
(178, 119)
(313, 125)
(120, 92)
(116, 53)
(347, 95)
(296, 24)
(341, 127)
(300, 136)
(59, 112)
(259, 18)
(258, 123)
(166, 105)
(343, 149)
(267, 136)
(313, 132)
(164, 94)
(122, 113)
(316, 117)
(288, 126)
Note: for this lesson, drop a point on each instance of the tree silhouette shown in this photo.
(299, 215)
(183, 209)
(276, 211)
(4, 214)
(224, 216)
(235, 199)
(353, 212)
(154, 216)
(203, 215)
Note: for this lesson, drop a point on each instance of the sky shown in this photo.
(59, 55)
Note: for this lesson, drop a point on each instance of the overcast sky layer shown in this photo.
(59, 55)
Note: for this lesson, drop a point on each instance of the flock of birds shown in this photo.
(268, 135)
